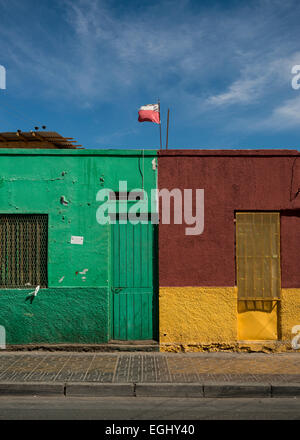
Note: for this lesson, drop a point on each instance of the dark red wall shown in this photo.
(245, 180)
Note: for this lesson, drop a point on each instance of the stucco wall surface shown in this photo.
(232, 181)
(65, 315)
(193, 315)
(289, 312)
(206, 318)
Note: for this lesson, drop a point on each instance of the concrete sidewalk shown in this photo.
(150, 374)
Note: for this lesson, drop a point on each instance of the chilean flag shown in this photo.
(150, 113)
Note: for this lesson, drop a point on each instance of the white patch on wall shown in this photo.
(34, 293)
(76, 239)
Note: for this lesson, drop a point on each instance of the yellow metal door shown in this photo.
(258, 274)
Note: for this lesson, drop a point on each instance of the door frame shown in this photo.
(155, 303)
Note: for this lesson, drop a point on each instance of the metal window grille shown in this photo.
(258, 255)
(23, 250)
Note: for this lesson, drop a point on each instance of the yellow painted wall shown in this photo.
(257, 320)
(197, 315)
(197, 318)
(289, 312)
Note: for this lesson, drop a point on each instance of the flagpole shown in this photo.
(159, 124)
(167, 137)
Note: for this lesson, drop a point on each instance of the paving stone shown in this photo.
(75, 368)
(47, 369)
(149, 369)
(21, 368)
(101, 369)
(122, 369)
(141, 367)
(135, 369)
(162, 369)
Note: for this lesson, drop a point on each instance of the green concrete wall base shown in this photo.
(55, 315)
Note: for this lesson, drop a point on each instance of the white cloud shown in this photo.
(289, 110)
(283, 117)
(240, 91)
(256, 80)
(172, 49)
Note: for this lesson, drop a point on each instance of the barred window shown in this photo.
(23, 250)
(258, 255)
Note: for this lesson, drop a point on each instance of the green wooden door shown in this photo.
(132, 281)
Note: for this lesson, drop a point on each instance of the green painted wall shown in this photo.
(75, 307)
(56, 315)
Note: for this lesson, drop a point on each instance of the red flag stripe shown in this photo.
(149, 113)
(149, 116)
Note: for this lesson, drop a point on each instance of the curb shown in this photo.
(92, 389)
(286, 390)
(32, 389)
(237, 390)
(168, 390)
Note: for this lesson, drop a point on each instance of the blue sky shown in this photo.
(84, 67)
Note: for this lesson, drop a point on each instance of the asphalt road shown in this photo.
(120, 408)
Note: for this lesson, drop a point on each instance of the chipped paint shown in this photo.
(64, 201)
(238, 347)
(35, 292)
